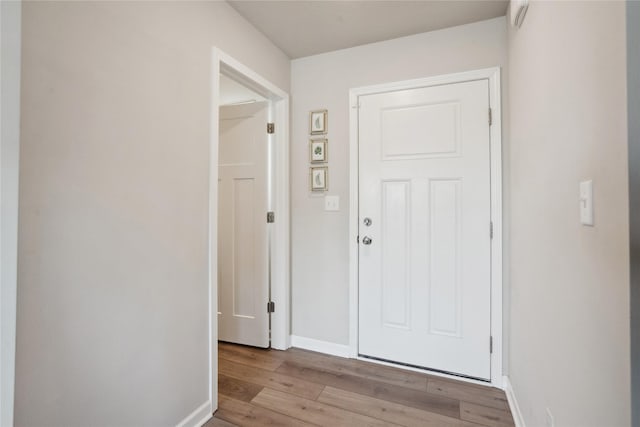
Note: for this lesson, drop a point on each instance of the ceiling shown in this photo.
(309, 27)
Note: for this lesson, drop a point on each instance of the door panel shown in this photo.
(441, 119)
(242, 237)
(244, 258)
(424, 280)
(445, 262)
(395, 268)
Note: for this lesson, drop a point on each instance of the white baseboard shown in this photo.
(198, 417)
(513, 402)
(333, 349)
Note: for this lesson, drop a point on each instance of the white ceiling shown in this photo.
(308, 27)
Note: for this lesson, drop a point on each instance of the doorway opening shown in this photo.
(244, 167)
(249, 289)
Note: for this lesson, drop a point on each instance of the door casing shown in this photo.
(222, 63)
(493, 77)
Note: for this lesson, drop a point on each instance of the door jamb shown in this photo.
(10, 33)
(493, 76)
(222, 63)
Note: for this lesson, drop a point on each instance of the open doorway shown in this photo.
(249, 185)
(244, 168)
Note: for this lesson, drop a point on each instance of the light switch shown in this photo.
(586, 202)
(331, 203)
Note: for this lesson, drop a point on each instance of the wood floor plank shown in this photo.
(378, 389)
(374, 371)
(218, 422)
(387, 411)
(485, 415)
(256, 359)
(274, 380)
(398, 376)
(247, 415)
(346, 392)
(312, 411)
(486, 396)
(247, 349)
(237, 389)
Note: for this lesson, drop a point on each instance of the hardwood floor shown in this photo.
(302, 388)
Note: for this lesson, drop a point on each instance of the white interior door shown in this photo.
(243, 286)
(424, 260)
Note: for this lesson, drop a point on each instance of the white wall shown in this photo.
(112, 293)
(320, 259)
(10, 20)
(569, 283)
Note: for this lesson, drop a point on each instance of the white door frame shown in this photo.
(10, 35)
(493, 76)
(279, 115)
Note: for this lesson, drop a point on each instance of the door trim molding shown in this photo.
(493, 77)
(221, 63)
(10, 66)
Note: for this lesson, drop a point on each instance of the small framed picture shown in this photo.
(319, 178)
(318, 122)
(318, 151)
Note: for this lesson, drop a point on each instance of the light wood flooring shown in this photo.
(300, 388)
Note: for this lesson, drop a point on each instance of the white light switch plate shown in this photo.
(586, 202)
(331, 203)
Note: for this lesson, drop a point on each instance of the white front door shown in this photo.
(425, 257)
(243, 286)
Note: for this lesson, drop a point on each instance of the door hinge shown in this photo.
(271, 128)
(271, 217)
(490, 117)
(358, 239)
(271, 307)
(490, 345)
(491, 230)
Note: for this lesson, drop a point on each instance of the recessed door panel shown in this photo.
(396, 227)
(444, 257)
(399, 141)
(244, 256)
